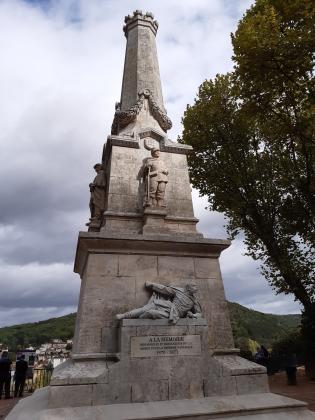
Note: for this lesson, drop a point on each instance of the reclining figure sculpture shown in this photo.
(169, 302)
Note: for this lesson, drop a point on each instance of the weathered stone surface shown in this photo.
(103, 265)
(138, 265)
(175, 268)
(258, 407)
(207, 268)
(110, 339)
(80, 372)
(217, 385)
(94, 310)
(70, 396)
(232, 364)
(155, 390)
(249, 384)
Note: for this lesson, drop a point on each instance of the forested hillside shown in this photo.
(37, 333)
(246, 323)
(258, 326)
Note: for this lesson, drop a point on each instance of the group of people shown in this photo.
(262, 355)
(19, 375)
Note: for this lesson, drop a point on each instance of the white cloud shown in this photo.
(38, 285)
(244, 283)
(60, 76)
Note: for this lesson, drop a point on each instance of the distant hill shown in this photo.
(37, 333)
(258, 326)
(246, 323)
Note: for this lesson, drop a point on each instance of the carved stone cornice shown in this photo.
(124, 117)
(140, 19)
(167, 245)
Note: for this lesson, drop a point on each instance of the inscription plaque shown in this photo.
(165, 345)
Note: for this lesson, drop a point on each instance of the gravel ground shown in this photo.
(303, 391)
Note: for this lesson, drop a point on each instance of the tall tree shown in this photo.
(253, 134)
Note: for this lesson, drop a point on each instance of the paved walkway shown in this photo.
(303, 391)
(6, 406)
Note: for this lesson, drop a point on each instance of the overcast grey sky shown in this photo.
(60, 76)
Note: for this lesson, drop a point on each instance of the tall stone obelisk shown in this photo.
(152, 324)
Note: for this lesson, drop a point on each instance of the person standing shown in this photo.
(5, 374)
(20, 375)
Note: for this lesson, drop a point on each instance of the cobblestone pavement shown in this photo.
(303, 391)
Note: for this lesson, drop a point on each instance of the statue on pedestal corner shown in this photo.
(97, 198)
(156, 178)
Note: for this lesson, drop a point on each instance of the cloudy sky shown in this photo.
(60, 76)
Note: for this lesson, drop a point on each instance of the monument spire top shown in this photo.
(139, 18)
(141, 103)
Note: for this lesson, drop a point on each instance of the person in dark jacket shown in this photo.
(5, 374)
(20, 375)
(291, 368)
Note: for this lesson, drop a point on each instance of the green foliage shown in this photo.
(253, 134)
(274, 49)
(258, 327)
(37, 333)
(289, 343)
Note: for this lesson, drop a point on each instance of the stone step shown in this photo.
(266, 406)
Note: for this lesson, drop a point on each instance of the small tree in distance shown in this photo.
(253, 134)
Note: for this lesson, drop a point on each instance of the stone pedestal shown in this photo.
(115, 361)
(154, 221)
(155, 361)
(114, 269)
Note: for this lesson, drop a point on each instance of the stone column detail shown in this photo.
(141, 85)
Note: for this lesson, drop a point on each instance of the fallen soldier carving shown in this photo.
(169, 302)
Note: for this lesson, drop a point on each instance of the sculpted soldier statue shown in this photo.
(97, 190)
(168, 302)
(155, 174)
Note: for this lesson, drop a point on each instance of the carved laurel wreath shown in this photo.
(123, 118)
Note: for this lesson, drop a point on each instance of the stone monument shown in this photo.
(153, 337)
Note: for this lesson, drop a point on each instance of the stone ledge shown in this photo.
(166, 145)
(153, 244)
(154, 211)
(225, 352)
(80, 372)
(162, 322)
(95, 356)
(233, 364)
(224, 243)
(127, 215)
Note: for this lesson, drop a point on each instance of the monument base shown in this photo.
(156, 361)
(264, 406)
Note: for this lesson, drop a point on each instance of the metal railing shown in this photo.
(35, 378)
